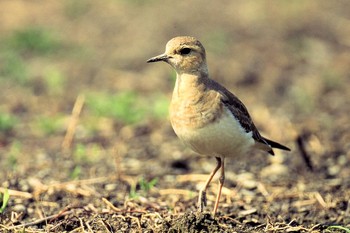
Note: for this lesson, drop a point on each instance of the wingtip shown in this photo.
(276, 145)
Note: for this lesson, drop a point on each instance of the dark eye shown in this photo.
(185, 51)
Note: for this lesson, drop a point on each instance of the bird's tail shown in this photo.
(276, 145)
(268, 145)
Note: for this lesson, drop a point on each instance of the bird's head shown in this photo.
(185, 54)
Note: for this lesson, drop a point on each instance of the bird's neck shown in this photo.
(188, 84)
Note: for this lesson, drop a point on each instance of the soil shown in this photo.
(70, 167)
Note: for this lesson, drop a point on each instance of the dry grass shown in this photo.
(70, 166)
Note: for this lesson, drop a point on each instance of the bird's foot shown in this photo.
(202, 201)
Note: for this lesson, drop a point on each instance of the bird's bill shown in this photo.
(162, 57)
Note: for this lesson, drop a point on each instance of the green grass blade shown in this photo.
(5, 199)
(347, 230)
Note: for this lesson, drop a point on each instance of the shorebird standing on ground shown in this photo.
(205, 115)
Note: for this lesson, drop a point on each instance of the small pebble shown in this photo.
(333, 170)
(249, 184)
(110, 187)
(30, 211)
(24, 185)
(274, 171)
(19, 208)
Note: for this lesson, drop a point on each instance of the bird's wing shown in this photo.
(241, 113)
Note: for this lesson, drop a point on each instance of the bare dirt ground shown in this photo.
(85, 143)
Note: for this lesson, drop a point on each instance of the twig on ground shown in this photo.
(303, 152)
(89, 227)
(38, 221)
(109, 204)
(15, 193)
(320, 200)
(105, 226)
(68, 138)
(72, 186)
(119, 151)
(137, 221)
(115, 209)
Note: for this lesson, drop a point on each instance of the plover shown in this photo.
(205, 115)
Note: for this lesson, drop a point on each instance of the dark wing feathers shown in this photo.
(277, 145)
(242, 115)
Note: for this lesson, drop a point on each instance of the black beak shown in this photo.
(162, 57)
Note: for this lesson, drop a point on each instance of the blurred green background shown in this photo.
(287, 60)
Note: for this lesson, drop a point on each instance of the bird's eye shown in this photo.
(185, 51)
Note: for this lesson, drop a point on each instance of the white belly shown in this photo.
(224, 137)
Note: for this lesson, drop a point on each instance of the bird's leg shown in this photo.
(221, 183)
(202, 199)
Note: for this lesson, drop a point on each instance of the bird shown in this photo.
(206, 116)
